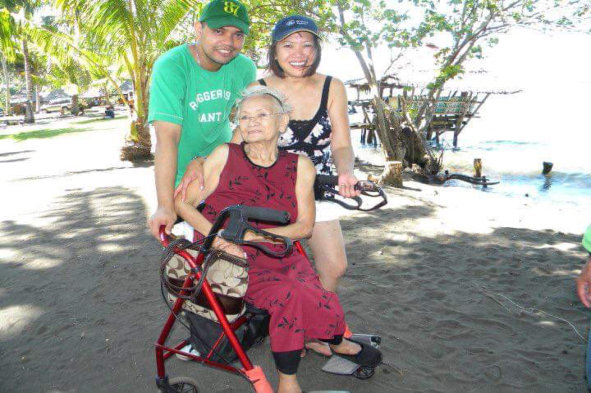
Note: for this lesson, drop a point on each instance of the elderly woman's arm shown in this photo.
(302, 227)
(212, 169)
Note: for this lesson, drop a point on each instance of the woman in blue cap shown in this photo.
(318, 128)
(584, 279)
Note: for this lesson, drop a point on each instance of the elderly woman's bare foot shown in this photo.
(346, 347)
(319, 347)
(288, 384)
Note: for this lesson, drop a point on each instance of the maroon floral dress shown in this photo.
(288, 288)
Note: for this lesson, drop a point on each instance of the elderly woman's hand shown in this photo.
(347, 182)
(228, 247)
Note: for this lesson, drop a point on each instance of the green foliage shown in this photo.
(8, 31)
(446, 73)
(265, 13)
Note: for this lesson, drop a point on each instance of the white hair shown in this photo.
(260, 91)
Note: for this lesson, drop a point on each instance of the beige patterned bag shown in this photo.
(227, 275)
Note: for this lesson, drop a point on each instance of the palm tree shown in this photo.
(7, 51)
(133, 33)
(60, 65)
(25, 10)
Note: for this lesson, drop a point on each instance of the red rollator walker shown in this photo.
(237, 218)
(207, 306)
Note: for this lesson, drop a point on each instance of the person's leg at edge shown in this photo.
(287, 367)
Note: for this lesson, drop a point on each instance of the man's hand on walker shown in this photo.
(162, 216)
(193, 172)
(584, 284)
(347, 182)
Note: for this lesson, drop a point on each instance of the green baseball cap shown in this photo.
(220, 13)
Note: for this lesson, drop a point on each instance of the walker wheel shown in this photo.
(183, 385)
(364, 372)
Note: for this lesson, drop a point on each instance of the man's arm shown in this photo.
(584, 284)
(165, 166)
(167, 95)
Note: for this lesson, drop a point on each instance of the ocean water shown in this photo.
(550, 120)
(514, 135)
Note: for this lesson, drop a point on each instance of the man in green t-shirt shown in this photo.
(192, 91)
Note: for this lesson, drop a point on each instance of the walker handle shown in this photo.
(266, 214)
(238, 225)
(324, 189)
(333, 181)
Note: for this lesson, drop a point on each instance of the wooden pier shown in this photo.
(453, 111)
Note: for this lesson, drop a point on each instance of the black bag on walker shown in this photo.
(205, 333)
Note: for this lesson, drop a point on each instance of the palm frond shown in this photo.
(8, 31)
(170, 14)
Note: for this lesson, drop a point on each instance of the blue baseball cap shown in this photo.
(293, 24)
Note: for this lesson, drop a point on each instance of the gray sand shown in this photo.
(470, 291)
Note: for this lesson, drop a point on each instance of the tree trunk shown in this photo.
(29, 116)
(477, 167)
(7, 108)
(107, 100)
(141, 145)
(387, 132)
(401, 142)
(37, 100)
(142, 115)
(392, 174)
(75, 107)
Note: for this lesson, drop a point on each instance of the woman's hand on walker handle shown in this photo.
(347, 182)
(193, 172)
(228, 247)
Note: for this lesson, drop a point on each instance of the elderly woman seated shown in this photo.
(256, 173)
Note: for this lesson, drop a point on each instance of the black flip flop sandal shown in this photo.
(367, 357)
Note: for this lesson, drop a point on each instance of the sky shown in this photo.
(529, 58)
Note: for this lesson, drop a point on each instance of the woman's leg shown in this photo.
(287, 367)
(328, 249)
(288, 384)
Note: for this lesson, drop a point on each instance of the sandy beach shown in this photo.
(471, 291)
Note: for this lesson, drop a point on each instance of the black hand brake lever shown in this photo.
(328, 193)
(324, 189)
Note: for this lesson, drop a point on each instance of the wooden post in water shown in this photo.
(478, 167)
(392, 174)
(547, 167)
